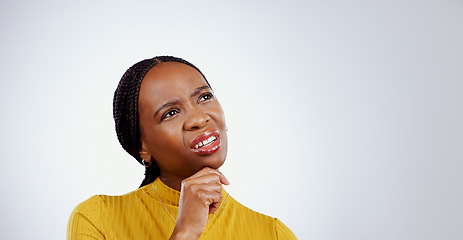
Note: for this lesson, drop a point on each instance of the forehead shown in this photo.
(168, 81)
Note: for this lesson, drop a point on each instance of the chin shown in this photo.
(216, 161)
(216, 165)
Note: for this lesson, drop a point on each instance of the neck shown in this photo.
(174, 182)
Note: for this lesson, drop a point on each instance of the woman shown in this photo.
(168, 118)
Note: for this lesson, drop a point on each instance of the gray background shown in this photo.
(345, 117)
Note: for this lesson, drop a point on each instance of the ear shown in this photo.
(144, 154)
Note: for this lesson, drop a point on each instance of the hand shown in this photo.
(200, 195)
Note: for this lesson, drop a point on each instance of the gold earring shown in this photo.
(145, 163)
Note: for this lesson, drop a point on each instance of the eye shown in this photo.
(171, 112)
(205, 97)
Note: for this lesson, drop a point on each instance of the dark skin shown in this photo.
(177, 107)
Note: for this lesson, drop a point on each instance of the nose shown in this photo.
(197, 119)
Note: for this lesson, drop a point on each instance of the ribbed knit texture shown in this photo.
(141, 215)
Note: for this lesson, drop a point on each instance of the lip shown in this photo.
(209, 149)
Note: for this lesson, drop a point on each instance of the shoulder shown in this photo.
(282, 231)
(85, 219)
(259, 221)
(90, 206)
(91, 217)
(246, 213)
(89, 211)
(98, 203)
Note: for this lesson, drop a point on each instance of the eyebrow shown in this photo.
(166, 105)
(198, 90)
(176, 101)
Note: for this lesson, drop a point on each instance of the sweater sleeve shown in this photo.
(85, 220)
(283, 232)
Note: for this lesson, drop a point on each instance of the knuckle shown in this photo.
(185, 183)
(194, 188)
(201, 194)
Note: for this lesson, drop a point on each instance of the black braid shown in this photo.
(125, 109)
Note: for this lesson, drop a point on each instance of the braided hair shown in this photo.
(125, 109)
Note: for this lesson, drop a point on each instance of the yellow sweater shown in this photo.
(141, 215)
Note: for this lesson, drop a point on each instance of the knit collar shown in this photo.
(167, 194)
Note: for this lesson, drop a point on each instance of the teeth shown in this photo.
(205, 142)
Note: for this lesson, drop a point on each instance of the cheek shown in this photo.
(218, 115)
(167, 142)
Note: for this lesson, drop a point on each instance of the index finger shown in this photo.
(208, 170)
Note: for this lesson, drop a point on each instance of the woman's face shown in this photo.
(182, 125)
